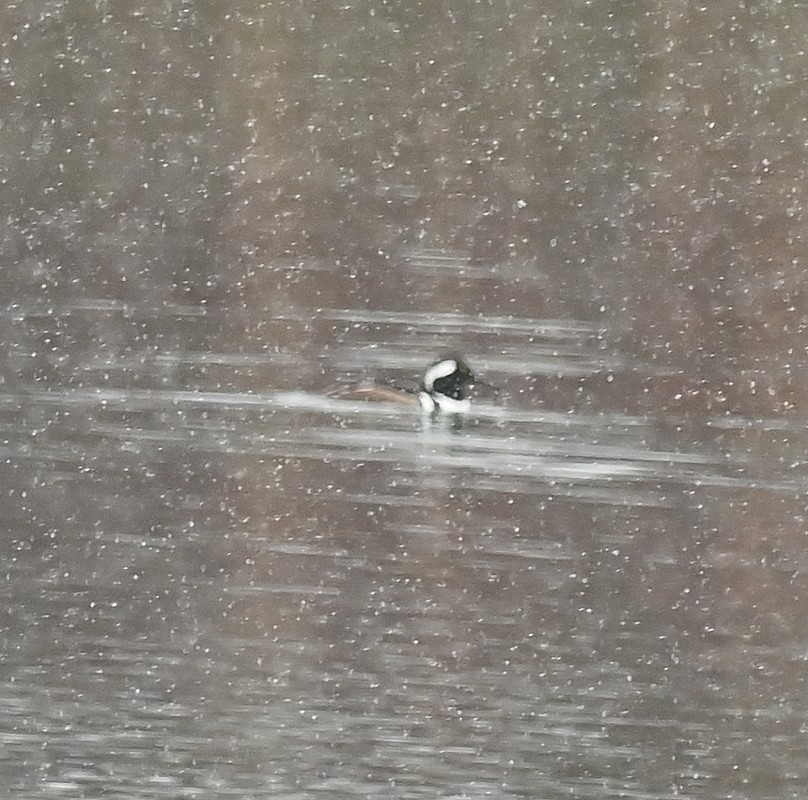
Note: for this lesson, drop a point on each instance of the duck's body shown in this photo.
(444, 388)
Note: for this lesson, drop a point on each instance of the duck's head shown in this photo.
(450, 377)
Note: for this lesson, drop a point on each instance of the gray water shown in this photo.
(225, 577)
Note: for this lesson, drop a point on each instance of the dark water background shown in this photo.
(223, 579)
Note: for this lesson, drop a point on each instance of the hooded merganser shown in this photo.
(444, 388)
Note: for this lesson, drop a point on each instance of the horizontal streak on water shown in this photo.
(102, 306)
(138, 399)
(468, 324)
(171, 359)
(307, 401)
(566, 361)
(307, 590)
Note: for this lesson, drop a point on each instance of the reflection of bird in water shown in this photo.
(444, 388)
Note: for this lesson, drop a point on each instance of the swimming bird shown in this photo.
(445, 387)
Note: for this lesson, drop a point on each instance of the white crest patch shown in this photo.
(440, 370)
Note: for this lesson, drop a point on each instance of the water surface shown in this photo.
(225, 577)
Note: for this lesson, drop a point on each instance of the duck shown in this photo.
(444, 388)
